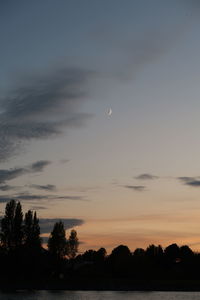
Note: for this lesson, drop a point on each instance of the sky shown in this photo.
(132, 177)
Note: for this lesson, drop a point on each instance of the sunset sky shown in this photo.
(129, 178)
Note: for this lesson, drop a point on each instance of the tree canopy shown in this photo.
(57, 243)
(12, 226)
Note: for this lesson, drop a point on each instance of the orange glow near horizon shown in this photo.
(139, 232)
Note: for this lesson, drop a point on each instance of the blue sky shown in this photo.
(63, 65)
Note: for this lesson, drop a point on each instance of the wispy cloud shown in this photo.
(38, 207)
(33, 197)
(6, 187)
(150, 47)
(134, 53)
(42, 107)
(10, 174)
(139, 188)
(146, 176)
(47, 187)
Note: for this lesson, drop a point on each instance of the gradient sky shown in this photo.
(130, 178)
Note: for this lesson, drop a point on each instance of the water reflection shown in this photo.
(95, 295)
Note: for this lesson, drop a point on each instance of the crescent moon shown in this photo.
(109, 112)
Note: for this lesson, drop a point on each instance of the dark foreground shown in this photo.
(25, 264)
(120, 271)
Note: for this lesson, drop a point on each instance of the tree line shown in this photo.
(25, 263)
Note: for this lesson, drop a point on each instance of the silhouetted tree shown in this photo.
(185, 252)
(139, 252)
(120, 252)
(57, 243)
(72, 244)
(154, 251)
(31, 230)
(18, 225)
(119, 260)
(172, 252)
(11, 226)
(89, 255)
(101, 254)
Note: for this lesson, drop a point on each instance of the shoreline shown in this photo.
(126, 286)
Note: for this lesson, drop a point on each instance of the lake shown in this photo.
(93, 295)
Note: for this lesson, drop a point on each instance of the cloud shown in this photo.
(71, 198)
(46, 225)
(149, 48)
(37, 207)
(42, 107)
(4, 199)
(11, 174)
(32, 197)
(191, 181)
(139, 188)
(6, 187)
(135, 52)
(146, 176)
(47, 187)
(39, 165)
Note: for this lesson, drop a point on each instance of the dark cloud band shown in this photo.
(47, 187)
(33, 197)
(6, 175)
(139, 188)
(191, 181)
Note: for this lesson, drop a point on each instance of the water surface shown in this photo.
(93, 295)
